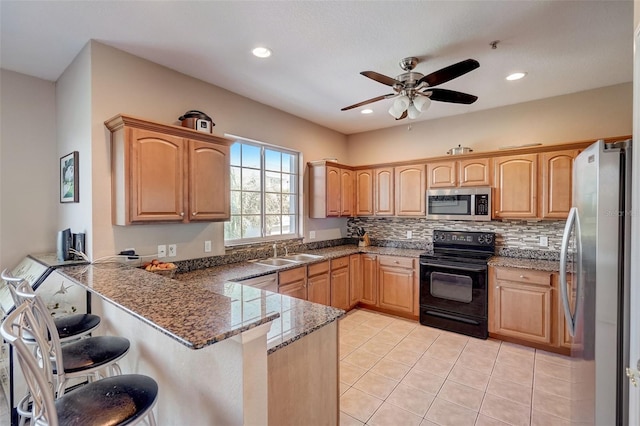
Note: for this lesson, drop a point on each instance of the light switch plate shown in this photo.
(312, 235)
(162, 251)
(544, 241)
(409, 235)
(172, 250)
(207, 246)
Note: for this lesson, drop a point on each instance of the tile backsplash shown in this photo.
(513, 238)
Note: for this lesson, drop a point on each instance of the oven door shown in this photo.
(454, 287)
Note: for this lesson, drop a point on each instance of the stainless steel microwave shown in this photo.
(472, 203)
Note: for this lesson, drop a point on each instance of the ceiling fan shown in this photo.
(414, 91)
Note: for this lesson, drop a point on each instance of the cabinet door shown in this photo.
(515, 186)
(319, 289)
(383, 191)
(442, 174)
(556, 173)
(297, 289)
(157, 177)
(410, 190)
(523, 311)
(333, 191)
(474, 172)
(346, 193)
(355, 279)
(364, 193)
(396, 283)
(340, 288)
(369, 279)
(209, 193)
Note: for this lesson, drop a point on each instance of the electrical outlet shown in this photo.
(172, 250)
(207, 246)
(162, 251)
(312, 235)
(409, 235)
(544, 241)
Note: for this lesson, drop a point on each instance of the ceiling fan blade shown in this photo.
(380, 78)
(369, 101)
(449, 73)
(404, 115)
(444, 95)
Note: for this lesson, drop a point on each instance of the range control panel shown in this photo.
(464, 239)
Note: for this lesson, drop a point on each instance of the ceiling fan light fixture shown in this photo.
(261, 52)
(366, 111)
(412, 111)
(395, 112)
(422, 103)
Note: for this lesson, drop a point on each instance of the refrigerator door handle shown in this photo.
(564, 253)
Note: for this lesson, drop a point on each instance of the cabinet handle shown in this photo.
(194, 213)
(521, 276)
(182, 214)
(497, 286)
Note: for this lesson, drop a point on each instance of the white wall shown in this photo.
(29, 184)
(123, 83)
(73, 119)
(579, 116)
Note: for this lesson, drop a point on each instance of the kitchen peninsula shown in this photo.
(205, 342)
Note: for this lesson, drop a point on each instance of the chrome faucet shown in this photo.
(275, 250)
(286, 251)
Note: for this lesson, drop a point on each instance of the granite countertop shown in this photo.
(535, 264)
(194, 315)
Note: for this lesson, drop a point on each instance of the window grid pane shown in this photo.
(264, 192)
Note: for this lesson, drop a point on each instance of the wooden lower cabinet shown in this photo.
(396, 283)
(355, 279)
(369, 279)
(525, 307)
(293, 282)
(318, 284)
(340, 283)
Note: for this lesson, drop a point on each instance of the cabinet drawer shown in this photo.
(524, 276)
(318, 268)
(341, 262)
(398, 262)
(292, 275)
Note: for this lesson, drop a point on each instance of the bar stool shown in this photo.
(119, 400)
(69, 327)
(86, 357)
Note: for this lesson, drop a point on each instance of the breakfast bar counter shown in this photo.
(222, 352)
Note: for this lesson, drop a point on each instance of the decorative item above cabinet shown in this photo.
(165, 173)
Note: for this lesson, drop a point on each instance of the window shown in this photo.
(264, 193)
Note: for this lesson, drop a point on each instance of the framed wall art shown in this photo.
(69, 189)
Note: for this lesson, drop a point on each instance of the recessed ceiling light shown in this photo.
(366, 111)
(261, 52)
(516, 76)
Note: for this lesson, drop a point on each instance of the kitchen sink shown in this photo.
(301, 257)
(275, 261)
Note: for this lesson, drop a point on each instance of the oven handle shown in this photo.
(457, 268)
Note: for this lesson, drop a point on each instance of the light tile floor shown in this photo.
(397, 372)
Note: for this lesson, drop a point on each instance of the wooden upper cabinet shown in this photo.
(410, 190)
(164, 173)
(556, 180)
(515, 183)
(442, 174)
(383, 189)
(208, 181)
(448, 174)
(474, 172)
(364, 192)
(331, 190)
(157, 172)
(347, 194)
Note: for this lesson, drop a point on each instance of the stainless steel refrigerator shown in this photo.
(594, 283)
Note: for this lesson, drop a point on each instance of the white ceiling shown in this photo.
(319, 47)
